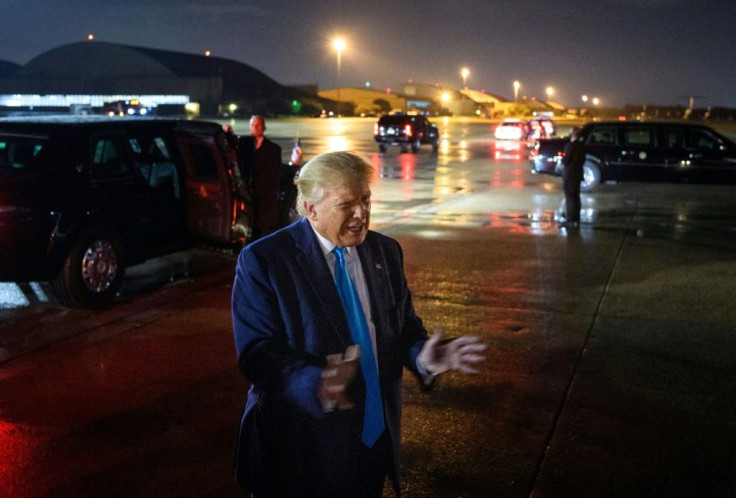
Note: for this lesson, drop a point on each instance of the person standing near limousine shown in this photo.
(260, 161)
(323, 323)
(572, 174)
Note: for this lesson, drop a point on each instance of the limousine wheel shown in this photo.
(591, 176)
(93, 271)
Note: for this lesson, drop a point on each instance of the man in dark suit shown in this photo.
(572, 174)
(260, 162)
(314, 393)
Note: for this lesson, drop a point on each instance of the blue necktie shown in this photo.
(373, 423)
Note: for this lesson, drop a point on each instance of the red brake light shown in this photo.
(407, 130)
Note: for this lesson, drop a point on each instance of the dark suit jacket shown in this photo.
(261, 170)
(287, 317)
(573, 161)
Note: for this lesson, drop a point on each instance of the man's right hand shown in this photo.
(336, 377)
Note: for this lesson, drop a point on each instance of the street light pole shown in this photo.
(339, 45)
(464, 72)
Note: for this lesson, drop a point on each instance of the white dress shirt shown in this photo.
(355, 271)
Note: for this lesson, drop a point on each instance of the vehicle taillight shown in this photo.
(408, 131)
(375, 128)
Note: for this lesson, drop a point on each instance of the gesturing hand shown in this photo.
(438, 356)
(336, 376)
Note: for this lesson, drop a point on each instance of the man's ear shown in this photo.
(310, 210)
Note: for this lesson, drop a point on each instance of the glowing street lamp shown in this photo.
(517, 85)
(339, 46)
(464, 72)
(596, 101)
(584, 98)
(549, 91)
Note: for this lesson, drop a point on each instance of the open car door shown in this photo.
(209, 197)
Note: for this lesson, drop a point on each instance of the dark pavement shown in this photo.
(610, 373)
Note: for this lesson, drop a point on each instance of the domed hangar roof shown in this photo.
(7, 68)
(109, 68)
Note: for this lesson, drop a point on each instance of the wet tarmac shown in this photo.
(610, 372)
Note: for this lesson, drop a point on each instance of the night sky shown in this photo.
(621, 51)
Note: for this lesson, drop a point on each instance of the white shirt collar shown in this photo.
(326, 245)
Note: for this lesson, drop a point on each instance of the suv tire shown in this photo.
(591, 176)
(93, 271)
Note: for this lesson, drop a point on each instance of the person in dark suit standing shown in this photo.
(260, 162)
(572, 174)
(322, 416)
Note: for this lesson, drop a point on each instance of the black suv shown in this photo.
(82, 198)
(406, 131)
(644, 151)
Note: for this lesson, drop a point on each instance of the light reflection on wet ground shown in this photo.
(471, 181)
(465, 223)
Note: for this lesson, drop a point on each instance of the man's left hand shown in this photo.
(438, 356)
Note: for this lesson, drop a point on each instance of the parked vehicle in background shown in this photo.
(512, 129)
(542, 128)
(122, 108)
(82, 198)
(405, 131)
(644, 151)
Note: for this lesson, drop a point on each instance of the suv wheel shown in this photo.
(404, 147)
(591, 176)
(93, 271)
(382, 147)
(415, 146)
(435, 144)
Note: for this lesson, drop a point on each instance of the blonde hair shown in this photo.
(327, 171)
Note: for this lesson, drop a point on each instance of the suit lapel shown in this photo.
(374, 269)
(317, 273)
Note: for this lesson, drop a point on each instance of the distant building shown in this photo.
(441, 100)
(99, 68)
(488, 105)
(433, 100)
(364, 101)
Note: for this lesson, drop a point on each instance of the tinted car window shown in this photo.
(155, 163)
(673, 139)
(108, 158)
(19, 153)
(606, 136)
(703, 140)
(639, 136)
(400, 119)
